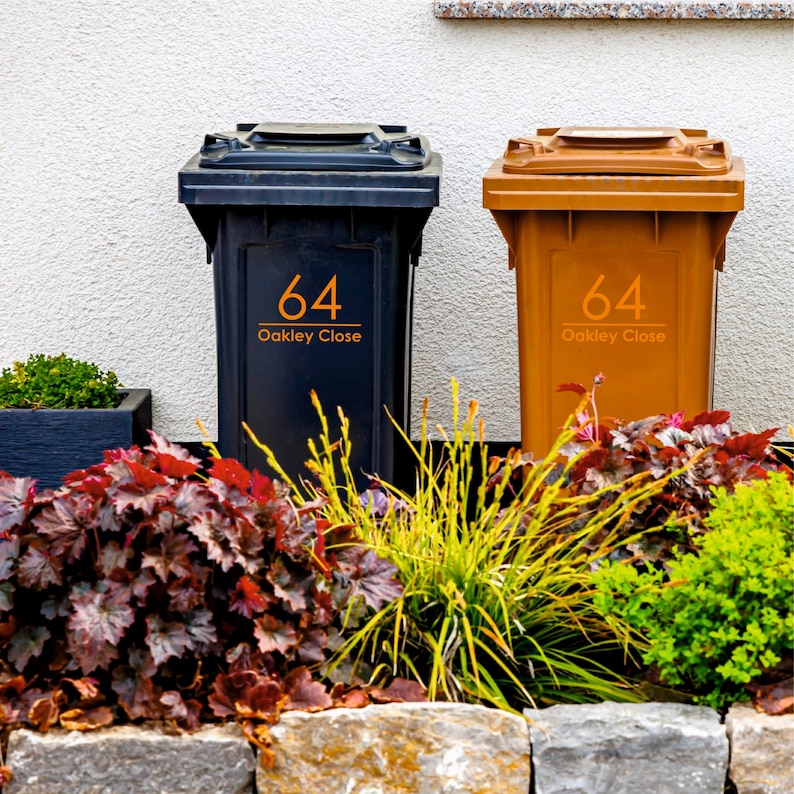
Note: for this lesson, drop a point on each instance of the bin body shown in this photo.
(616, 272)
(313, 272)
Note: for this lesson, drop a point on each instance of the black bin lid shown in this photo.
(315, 147)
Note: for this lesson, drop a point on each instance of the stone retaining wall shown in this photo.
(427, 748)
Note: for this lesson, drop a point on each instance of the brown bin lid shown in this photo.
(618, 150)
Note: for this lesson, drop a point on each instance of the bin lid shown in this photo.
(315, 147)
(618, 150)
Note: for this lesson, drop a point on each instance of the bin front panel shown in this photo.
(312, 320)
(632, 299)
(319, 302)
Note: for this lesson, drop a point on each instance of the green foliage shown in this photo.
(57, 382)
(725, 615)
(497, 605)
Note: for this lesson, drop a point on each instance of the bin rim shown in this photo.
(605, 192)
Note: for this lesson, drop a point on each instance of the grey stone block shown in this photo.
(399, 748)
(626, 748)
(130, 760)
(762, 751)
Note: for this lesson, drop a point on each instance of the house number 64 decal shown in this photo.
(596, 305)
(294, 300)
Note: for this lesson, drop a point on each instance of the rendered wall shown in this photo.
(102, 102)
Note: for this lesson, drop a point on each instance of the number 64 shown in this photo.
(601, 301)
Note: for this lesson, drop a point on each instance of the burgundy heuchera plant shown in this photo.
(717, 455)
(142, 590)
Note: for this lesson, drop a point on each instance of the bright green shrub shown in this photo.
(57, 382)
(726, 612)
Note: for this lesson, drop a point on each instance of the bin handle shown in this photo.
(716, 146)
(525, 143)
(710, 146)
(406, 143)
(217, 140)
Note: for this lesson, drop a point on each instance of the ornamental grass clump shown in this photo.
(497, 604)
(57, 382)
(144, 590)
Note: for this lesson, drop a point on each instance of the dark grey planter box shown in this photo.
(47, 444)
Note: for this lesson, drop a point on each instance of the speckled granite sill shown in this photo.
(605, 9)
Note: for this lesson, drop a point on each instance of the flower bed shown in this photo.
(147, 588)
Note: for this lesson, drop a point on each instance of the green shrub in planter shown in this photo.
(57, 382)
(724, 615)
(58, 415)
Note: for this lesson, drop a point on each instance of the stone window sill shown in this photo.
(607, 9)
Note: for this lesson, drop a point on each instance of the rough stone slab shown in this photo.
(612, 9)
(130, 760)
(762, 751)
(399, 748)
(627, 748)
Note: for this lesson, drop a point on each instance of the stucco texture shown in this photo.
(102, 102)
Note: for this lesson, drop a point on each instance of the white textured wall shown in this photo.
(102, 101)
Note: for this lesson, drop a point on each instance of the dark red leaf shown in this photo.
(133, 684)
(59, 523)
(213, 529)
(89, 719)
(706, 418)
(191, 499)
(9, 557)
(37, 568)
(27, 643)
(247, 598)
(87, 688)
(201, 631)
(291, 587)
(144, 492)
(45, 711)
(16, 498)
(231, 473)
(354, 698)
(594, 458)
(400, 690)
(375, 580)
(576, 388)
(186, 593)
(113, 557)
(172, 460)
(305, 694)
(100, 615)
(171, 557)
(262, 488)
(324, 611)
(294, 534)
(312, 645)
(165, 639)
(95, 486)
(754, 445)
(184, 713)
(246, 694)
(775, 698)
(274, 635)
